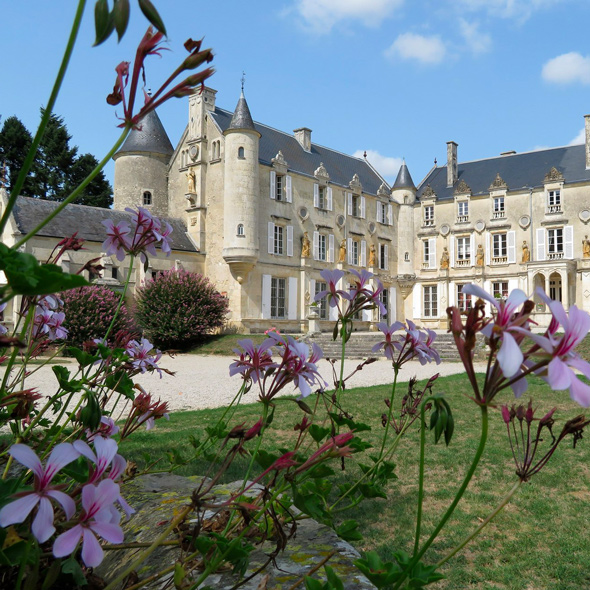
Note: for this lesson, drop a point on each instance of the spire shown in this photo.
(152, 137)
(403, 180)
(242, 119)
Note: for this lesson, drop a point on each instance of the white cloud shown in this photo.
(410, 46)
(321, 15)
(385, 165)
(567, 68)
(519, 9)
(580, 138)
(477, 41)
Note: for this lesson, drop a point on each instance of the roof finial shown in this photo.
(243, 80)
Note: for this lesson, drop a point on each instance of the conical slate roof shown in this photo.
(242, 119)
(404, 179)
(152, 137)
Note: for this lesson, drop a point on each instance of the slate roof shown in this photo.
(152, 137)
(518, 171)
(242, 119)
(340, 167)
(85, 220)
(404, 178)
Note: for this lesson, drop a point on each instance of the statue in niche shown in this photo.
(444, 259)
(479, 256)
(342, 253)
(526, 253)
(586, 247)
(372, 255)
(192, 181)
(305, 246)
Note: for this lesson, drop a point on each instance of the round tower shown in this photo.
(403, 192)
(241, 192)
(141, 167)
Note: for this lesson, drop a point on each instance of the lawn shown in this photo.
(539, 542)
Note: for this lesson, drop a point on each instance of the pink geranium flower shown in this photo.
(43, 492)
(106, 449)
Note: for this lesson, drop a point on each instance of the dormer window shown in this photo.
(356, 205)
(428, 215)
(280, 187)
(147, 198)
(499, 212)
(462, 211)
(554, 201)
(322, 197)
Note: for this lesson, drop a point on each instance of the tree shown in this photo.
(15, 141)
(99, 192)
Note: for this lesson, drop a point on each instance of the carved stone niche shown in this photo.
(554, 175)
(463, 188)
(428, 193)
(498, 184)
(279, 163)
(321, 174)
(383, 190)
(355, 185)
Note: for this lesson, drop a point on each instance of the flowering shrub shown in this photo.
(177, 308)
(89, 312)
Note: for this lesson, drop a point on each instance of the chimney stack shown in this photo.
(452, 171)
(303, 136)
(587, 122)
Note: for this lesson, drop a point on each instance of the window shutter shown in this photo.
(316, 245)
(386, 261)
(273, 184)
(392, 305)
(349, 250)
(378, 212)
(289, 240)
(362, 207)
(512, 284)
(312, 290)
(363, 253)
(432, 252)
(568, 241)
(472, 248)
(452, 251)
(541, 243)
(511, 241)
(489, 248)
(416, 301)
(329, 199)
(332, 313)
(367, 315)
(349, 199)
(265, 309)
(292, 303)
(289, 189)
(331, 248)
(390, 214)
(452, 294)
(316, 195)
(271, 237)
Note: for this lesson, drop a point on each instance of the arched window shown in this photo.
(407, 257)
(147, 198)
(241, 153)
(241, 229)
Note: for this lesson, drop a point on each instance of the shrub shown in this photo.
(177, 308)
(89, 312)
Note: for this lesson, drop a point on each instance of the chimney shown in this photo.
(303, 136)
(587, 122)
(452, 172)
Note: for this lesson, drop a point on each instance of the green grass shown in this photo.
(539, 542)
(224, 344)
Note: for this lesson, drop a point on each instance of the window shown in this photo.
(500, 289)
(278, 240)
(354, 252)
(499, 247)
(430, 301)
(555, 242)
(464, 248)
(384, 298)
(277, 297)
(426, 253)
(463, 301)
(554, 201)
(216, 150)
(323, 302)
(241, 153)
(322, 247)
(356, 206)
(114, 272)
(499, 211)
(147, 198)
(240, 231)
(279, 188)
(383, 257)
(463, 211)
(407, 257)
(429, 215)
(555, 287)
(381, 212)
(322, 197)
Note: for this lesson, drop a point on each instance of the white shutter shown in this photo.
(289, 189)
(511, 240)
(489, 248)
(273, 184)
(316, 195)
(332, 313)
(568, 241)
(312, 290)
(292, 303)
(331, 248)
(378, 211)
(349, 199)
(271, 237)
(472, 248)
(512, 284)
(392, 311)
(390, 214)
(385, 263)
(265, 308)
(452, 251)
(362, 207)
(363, 253)
(329, 199)
(417, 301)
(316, 245)
(431, 252)
(367, 315)
(349, 250)
(452, 294)
(541, 244)
(289, 240)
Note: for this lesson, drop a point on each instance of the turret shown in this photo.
(241, 192)
(403, 192)
(141, 167)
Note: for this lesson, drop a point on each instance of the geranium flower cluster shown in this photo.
(144, 411)
(144, 356)
(414, 344)
(146, 233)
(49, 319)
(86, 513)
(297, 364)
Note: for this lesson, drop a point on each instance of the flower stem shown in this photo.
(396, 372)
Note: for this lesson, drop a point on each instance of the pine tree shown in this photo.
(99, 192)
(15, 141)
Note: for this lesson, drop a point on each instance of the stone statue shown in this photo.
(372, 255)
(192, 179)
(526, 253)
(444, 259)
(586, 247)
(305, 246)
(342, 253)
(479, 256)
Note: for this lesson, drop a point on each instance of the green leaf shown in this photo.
(101, 21)
(84, 359)
(265, 459)
(379, 573)
(77, 470)
(342, 420)
(91, 414)
(333, 579)
(121, 17)
(63, 378)
(72, 567)
(120, 382)
(311, 584)
(372, 490)
(318, 433)
(321, 470)
(348, 531)
(51, 575)
(150, 12)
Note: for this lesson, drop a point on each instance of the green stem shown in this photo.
(451, 508)
(396, 371)
(480, 528)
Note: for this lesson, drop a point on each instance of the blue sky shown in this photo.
(398, 78)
